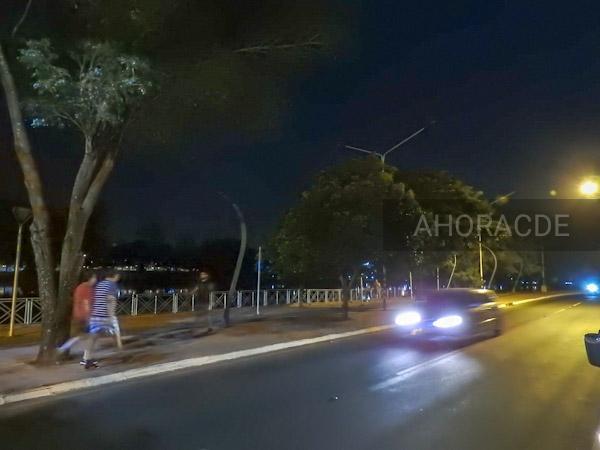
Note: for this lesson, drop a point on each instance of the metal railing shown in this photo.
(29, 310)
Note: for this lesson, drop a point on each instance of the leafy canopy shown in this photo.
(337, 225)
(94, 88)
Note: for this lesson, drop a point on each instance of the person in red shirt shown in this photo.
(82, 304)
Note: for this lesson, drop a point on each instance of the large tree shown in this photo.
(211, 59)
(337, 225)
(93, 91)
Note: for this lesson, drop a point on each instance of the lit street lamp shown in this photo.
(22, 216)
(589, 187)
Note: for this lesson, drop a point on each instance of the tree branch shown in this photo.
(22, 19)
(98, 183)
(313, 42)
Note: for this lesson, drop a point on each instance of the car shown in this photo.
(452, 314)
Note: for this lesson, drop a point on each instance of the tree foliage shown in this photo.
(95, 88)
(337, 225)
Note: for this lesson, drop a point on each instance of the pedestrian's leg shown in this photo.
(67, 345)
(209, 318)
(87, 354)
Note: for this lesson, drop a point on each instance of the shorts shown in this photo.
(103, 325)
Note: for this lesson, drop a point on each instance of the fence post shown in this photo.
(175, 303)
(239, 299)
(133, 311)
(265, 300)
(287, 296)
(155, 303)
(28, 311)
(211, 301)
(277, 297)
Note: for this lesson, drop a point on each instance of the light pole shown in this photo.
(500, 200)
(382, 156)
(22, 215)
(489, 286)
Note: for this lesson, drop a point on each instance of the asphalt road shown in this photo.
(530, 388)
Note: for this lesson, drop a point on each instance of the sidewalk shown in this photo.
(151, 340)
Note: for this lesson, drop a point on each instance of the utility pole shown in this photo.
(543, 288)
(22, 215)
(258, 281)
(480, 259)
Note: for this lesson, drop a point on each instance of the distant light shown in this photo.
(448, 322)
(592, 288)
(553, 193)
(589, 187)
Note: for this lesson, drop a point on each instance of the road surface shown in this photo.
(530, 388)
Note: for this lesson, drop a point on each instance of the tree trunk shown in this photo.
(40, 235)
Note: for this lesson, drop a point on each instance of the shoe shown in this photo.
(89, 364)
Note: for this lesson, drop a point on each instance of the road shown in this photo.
(530, 388)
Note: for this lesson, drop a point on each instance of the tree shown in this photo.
(95, 94)
(337, 225)
(224, 65)
(441, 194)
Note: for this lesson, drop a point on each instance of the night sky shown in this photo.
(513, 88)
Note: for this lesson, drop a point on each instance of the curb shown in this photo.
(157, 369)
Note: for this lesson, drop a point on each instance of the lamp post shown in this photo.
(501, 199)
(382, 156)
(22, 216)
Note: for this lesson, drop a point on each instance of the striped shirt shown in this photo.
(102, 291)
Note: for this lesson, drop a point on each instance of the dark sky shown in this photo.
(514, 88)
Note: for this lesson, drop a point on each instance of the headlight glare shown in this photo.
(408, 318)
(448, 321)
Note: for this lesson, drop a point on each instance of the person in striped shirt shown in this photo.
(103, 316)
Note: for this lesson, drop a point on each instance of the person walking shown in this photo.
(82, 304)
(202, 300)
(103, 316)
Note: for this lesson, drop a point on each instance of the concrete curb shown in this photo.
(131, 374)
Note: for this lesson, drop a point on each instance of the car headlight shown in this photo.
(448, 322)
(592, 288)
(408, 318)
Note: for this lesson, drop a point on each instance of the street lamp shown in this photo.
(22, 216)
(589, 187)
(382, 156)
(501, 199)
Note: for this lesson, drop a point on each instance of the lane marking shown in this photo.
(409, 371)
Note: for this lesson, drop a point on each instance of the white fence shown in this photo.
(28, 310)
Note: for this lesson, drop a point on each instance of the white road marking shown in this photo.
(410, 371)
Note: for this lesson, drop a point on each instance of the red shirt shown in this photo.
(82, 299)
